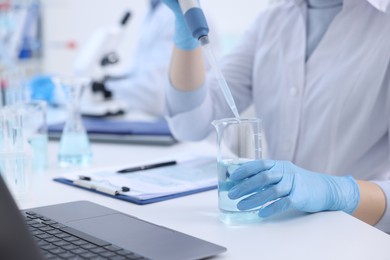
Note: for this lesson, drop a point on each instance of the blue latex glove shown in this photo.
(42, 88)
(183, 38)
(292, 187)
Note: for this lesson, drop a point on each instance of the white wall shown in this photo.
(67, 21)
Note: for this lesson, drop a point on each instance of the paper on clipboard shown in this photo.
(189, 175)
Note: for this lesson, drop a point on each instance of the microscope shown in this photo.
(97, 56)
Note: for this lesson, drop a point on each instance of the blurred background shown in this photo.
(55, 30)
(48, 48)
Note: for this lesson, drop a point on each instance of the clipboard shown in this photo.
(153, 185)
(154, 132)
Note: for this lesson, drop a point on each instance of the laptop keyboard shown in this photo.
(58, 241)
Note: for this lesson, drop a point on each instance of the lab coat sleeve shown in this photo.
(184, 100)
(195, 124)
(192, 125)
(384, 223)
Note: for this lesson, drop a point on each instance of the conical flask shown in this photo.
(75, 148)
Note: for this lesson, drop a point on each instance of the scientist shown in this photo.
(318, 74)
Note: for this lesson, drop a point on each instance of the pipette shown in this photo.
(196, 22)
(221, 80)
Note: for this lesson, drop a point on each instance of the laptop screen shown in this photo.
(88, 230)
(16, 241)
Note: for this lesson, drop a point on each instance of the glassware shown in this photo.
(35, 131)
(239, 141)
(75, 148)
(15, 155)
(13, 86)
(220, 79)
(20, 31)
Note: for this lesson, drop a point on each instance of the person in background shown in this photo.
(141, 88)
(318, 74)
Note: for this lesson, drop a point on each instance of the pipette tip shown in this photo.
(204, 40)
(235, 112)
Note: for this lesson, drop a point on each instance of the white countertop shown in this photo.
(327, 235)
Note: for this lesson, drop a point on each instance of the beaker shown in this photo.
(13, 86)
(35, 131)
(239, 141)
(75, 148)
(15, 155)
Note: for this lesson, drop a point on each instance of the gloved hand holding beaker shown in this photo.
(285, 186)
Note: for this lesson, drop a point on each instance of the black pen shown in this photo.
(147, 167)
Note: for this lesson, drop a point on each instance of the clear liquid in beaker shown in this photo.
(229, 213)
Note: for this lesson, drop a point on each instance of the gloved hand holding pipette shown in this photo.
(291, 187)
(183, 38)
(191, 27)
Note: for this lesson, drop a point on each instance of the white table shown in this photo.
(328, 235)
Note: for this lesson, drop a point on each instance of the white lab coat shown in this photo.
(330, 114)
(143, 89)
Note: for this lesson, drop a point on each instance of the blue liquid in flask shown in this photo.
(74, 150)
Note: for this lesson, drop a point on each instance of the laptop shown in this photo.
(85, 230)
